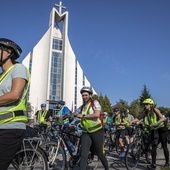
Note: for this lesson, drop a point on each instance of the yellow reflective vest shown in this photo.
(17, 113)
(89, 125)
(41, 116)
(152, 119)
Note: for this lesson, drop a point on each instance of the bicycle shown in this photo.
(139, 147)
(55, 150)
(30, 156)
(43, 131)
(111, 141)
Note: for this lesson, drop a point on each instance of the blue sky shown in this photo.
(120, 44)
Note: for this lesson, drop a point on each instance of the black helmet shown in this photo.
(86, 89)
(116, 109)
(11, 44)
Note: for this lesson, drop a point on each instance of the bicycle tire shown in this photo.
(29, 159)
(112, 141)
(59, 158)
(132, 155)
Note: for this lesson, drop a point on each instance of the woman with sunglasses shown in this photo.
(153, 118)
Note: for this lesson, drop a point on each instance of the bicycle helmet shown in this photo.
(11, 44)
(61, 102)
(148, 101)
(126, 111)
(105, 113)
(43, 105)
(116, 109)
(86, 89)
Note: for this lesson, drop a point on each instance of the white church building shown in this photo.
(55, 72)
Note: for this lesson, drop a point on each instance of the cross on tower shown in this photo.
(60, 7)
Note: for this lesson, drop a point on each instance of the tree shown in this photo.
(164, 111)
(122, 104)
(135, 108)
(144, 94)
(104, 102)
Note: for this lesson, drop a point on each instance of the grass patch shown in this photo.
(163, 168)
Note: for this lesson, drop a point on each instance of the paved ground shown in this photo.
(117, 163)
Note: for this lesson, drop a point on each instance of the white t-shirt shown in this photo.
(95, 107)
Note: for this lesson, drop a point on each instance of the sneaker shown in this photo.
(152, 166)
(122, 155)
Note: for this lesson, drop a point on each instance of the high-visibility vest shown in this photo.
(148, 120)
(41, 116)
(118, 119)
(17, 113)
(127, 119)
(66, 121)
(89, 125)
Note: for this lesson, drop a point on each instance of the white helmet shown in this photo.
(105, 113)
(86, 89)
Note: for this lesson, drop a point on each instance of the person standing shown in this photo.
(92, 134)
(14, 85)
(153, 118)
(43, 115)
(120, 130)
(129, 128)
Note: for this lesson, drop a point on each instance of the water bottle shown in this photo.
(71, 146)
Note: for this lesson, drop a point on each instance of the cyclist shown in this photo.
(153, 118)
(63, 110)
(107, 121)
(92, 134)
(120, 129)
(129, 129)
(14, 85)
(43, 115)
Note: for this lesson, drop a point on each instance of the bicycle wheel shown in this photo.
(29, 159)
(57, 160)
(132, 155)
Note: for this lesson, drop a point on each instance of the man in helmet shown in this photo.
(92, 134)
(43, 115)
(63, 110)
(14, 85)
(152, 117)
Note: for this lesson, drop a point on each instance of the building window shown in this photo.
(57, 44)
(56, 76)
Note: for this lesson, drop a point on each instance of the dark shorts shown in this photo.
(121, 133)
(129, 131)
